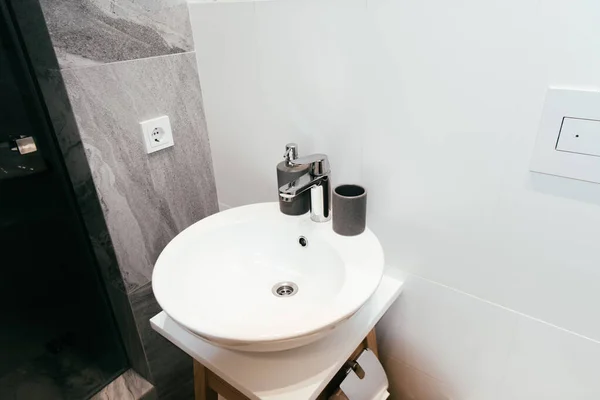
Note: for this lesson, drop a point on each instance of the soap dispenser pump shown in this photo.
(286, 173)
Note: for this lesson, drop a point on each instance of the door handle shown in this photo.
(24, 145)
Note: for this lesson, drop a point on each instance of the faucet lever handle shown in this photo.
(319, 163)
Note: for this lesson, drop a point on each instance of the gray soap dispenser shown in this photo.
(287, 173)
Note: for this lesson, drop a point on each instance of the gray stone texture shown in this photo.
(170, 367)
(90, 32)
(128, 386)
(146, 198)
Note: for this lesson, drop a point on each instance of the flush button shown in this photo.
(568, 142)
(581, 136)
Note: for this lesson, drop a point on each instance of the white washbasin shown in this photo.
(216, 278)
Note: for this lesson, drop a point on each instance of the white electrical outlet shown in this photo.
(157, 134)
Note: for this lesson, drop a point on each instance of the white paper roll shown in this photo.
(373, 386)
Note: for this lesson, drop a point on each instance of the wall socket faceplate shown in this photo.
(157, 134)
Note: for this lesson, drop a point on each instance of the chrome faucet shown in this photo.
(317, 181)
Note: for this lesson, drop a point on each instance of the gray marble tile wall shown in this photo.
(147, 198)
(119, 62)
(169, 365)
(93, 32)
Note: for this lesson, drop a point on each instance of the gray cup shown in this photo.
(349, 210)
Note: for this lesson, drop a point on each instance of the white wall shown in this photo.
(434, 106)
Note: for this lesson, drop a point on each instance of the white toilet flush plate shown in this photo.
(568, 141)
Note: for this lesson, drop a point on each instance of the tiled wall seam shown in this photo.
(426, 381)
(507, 309)
(126, 61)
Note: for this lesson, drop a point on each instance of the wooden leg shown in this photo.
(371, 342)
(223, 388)
(207, 384)
(211, 394)
(201, 389)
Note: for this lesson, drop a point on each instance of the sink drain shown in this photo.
(285, 289)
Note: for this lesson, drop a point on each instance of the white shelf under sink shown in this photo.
(297, 374)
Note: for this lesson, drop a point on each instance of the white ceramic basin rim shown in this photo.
(216, 277)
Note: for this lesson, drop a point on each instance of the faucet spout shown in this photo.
(291, 190)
